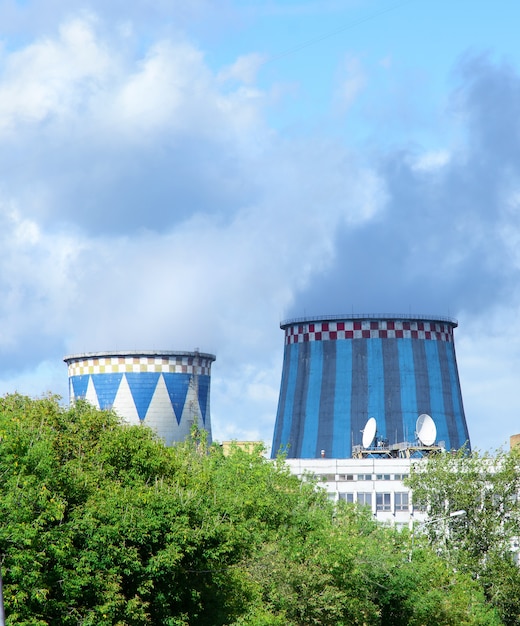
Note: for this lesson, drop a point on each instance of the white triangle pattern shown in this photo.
(91, 395)
(124, 404)
(192, 414)
(160, 416)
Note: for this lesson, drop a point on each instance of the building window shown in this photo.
(364, 477)
(401, 501)
(383, 502)
(346, 477)
(328, 478)
(400, 476)
(347, 497)
(364, 498)
(382, 476)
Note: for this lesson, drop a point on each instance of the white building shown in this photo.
(374, 482)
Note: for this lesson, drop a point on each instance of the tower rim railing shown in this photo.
(369, 316)
(81, 356)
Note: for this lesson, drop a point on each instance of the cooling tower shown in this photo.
(340, 371)
(168, 391)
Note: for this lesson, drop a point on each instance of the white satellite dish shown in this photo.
(369, 432)
(426, 430)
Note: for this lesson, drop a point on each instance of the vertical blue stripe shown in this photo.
(458, 406)
(342, 439)
(359, 398)
(327, 395)
(282, 400)
(449, 413)
(312, 409)
(393, 413)
(204, 385)
(299, 414)
(438, 412)
(422, 380)
(408, 388)
(285, 410)
(376, 385)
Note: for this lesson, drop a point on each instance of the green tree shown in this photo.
(487, 488)
(103, 525)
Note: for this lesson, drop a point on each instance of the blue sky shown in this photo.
(180, 175)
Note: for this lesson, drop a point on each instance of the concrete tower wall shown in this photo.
(168, 391)
(339, 372)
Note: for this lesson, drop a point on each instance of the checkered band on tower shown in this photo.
(111, 365)
(368, 329)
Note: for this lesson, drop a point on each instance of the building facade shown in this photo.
(373, 482)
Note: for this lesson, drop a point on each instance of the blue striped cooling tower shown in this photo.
(168, 391)
(340, 371)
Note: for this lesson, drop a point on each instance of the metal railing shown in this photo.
(369, 316)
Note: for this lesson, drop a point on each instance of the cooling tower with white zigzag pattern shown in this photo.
(167, 391)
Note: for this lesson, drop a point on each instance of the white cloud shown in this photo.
(431, 161)
(215, 280)
(79, 81)
(156, 95)
(351, 82)
(146, 202)
(244, 69)
(47, 377)
(488, 351)
(509, 226)
(47, 78)
(35, 281)
(209, 281)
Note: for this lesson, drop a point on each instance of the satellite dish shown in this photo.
(426, 429)
(369, 432)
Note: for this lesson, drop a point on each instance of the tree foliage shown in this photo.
(103, 525)
(486, 487)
